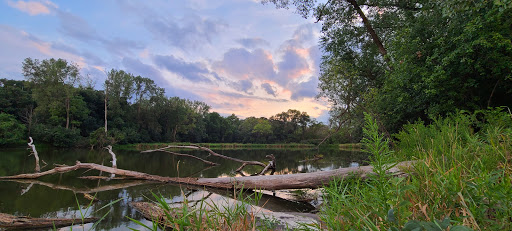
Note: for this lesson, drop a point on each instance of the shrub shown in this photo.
(11, 130)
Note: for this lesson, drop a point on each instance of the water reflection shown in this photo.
(57, 195)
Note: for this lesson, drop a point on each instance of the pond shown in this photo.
(59, 195)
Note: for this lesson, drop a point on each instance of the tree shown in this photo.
(55, 83)
(11, 130)
(16, 99)
(118, 90)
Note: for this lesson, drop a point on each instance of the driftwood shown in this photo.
(315, 158)
(22, 222)
(34, 152)
(272, 182)
(114, 160)
(271, 165)
(180, 154)
(239, 169)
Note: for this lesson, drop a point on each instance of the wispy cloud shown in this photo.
(242, 96)
(191, 31)
(269, 89)
(193, 71)
(253, 42)
(33, 7)
(308, 89)
(78, 28)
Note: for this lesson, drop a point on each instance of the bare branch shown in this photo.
(180, 154)
(34, 151)
(244, 162)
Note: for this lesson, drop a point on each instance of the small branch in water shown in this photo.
(34, 152)
(27, 189)
(180, 154)
(244, 162)
(271, 165)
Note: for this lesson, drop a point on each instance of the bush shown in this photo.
(56, 135)
(11, 130)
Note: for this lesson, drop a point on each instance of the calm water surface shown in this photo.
(56, 195)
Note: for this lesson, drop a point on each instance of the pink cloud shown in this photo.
(32, 7)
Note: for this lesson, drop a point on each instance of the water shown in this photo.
(57, 195)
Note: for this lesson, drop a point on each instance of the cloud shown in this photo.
(19, 45)
(191, 31)
(252, 42)
(303, 90)
(32, 7)
(269, 89)
(76, 27)
(195, 72)
(136, 67)
(242, 96)
(243, 85)
(240, 63)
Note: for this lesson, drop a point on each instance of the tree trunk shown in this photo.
(106, 101)
(370, 29)
(67, 112)
(174, 133)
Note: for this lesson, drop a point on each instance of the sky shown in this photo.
(238, 56)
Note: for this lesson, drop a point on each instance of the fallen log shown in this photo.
(268, 182)
(22, 222)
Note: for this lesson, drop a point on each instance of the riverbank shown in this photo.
(230, 146)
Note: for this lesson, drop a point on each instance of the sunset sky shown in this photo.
(238, 56)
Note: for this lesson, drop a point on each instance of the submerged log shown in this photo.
(22, 222)
(269, 182)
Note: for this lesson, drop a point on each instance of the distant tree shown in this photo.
(54, 88)
(11, 130)
(16, 99)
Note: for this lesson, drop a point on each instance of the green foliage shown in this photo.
(462, 175)
(11, 130)
(56, 135)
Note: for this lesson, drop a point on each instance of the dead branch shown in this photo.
(268, 182)
(34, 152)
(271, 165)
(244, 162)
(27, 189)
(22, 222)
(315, 158)
(180, 154)
(114, 160)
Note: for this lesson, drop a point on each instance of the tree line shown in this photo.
(55, 105)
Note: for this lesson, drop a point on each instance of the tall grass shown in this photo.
(460, 181)
(205, 215)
